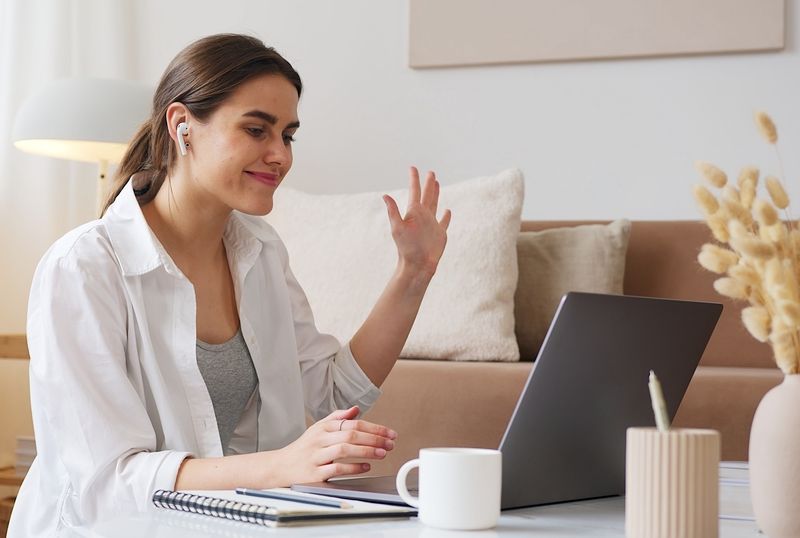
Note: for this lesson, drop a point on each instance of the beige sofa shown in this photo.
(440, 403)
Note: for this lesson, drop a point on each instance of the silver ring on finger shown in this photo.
(341, 424)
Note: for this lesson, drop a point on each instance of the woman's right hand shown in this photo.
(316, 455)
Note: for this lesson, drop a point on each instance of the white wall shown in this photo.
(596, 139)
(600, 139)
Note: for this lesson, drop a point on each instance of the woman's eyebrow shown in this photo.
(269, 118)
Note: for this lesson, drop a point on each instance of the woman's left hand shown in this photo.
(419, 236)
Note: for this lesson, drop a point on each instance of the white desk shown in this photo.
(598, 518)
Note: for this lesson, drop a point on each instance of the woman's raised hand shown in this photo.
(419, 236)
(316, 455)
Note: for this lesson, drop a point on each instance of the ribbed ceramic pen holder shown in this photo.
(672, 483)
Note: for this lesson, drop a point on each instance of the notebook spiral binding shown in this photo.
(209, 506)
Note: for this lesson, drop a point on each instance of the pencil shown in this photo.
(266, 494)
(657, 401)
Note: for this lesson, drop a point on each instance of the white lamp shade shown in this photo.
(82, 119)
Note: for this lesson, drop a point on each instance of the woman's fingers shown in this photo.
(341, 451)
(392, 209)
(413, 188)
(338, 469)
(430, 193)
(427, 196)
(340, 414)
(345, 438)
(362, 426)
(445, 220)
(358, 438)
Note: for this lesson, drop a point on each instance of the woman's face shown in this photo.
(244, 150)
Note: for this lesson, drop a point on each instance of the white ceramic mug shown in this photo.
(459, 488)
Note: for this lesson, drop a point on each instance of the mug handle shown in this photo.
(400, 482)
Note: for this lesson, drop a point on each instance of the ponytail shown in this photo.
(136, 158)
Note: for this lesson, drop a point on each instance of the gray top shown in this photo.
(230, 377)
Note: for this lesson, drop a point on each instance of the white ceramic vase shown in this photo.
(775, 460)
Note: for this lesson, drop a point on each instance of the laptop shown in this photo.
(566, 438)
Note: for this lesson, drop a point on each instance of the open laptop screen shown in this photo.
(566, 438)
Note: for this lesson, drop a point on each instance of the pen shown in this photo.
(292, 497)
(657, 400)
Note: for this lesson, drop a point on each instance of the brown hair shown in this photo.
(201, 77)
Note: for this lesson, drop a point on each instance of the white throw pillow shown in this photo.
(342, 253)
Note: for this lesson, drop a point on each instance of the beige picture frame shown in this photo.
(446, 33)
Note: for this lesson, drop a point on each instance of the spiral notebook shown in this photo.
(272, 512)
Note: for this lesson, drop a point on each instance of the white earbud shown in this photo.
(183, 130)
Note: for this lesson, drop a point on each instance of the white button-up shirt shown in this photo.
(118, 401)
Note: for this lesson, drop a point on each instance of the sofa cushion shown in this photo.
(342, 253)
(589, 258)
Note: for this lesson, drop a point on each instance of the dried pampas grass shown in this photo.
(765, 213)
(737, 211)
(752, 247)
(790, 311)
(730, 287)
(717, 259)
(766, 127)
(762, 265)
(757, 322)
(777, 192)
(713, 175)
(719, 228)
(748, 174)
(705, 200)
(748, 194)
(746, 274)
(748, 181)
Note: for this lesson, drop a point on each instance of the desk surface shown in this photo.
(597, 518)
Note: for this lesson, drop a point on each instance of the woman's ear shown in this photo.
(177, 118)
(176, 114)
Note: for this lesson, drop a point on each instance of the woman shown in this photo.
(171, 346)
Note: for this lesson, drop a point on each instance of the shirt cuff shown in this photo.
(167, 472)
(351, 381)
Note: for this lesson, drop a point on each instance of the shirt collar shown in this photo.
(242, 243)
(139, 251)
